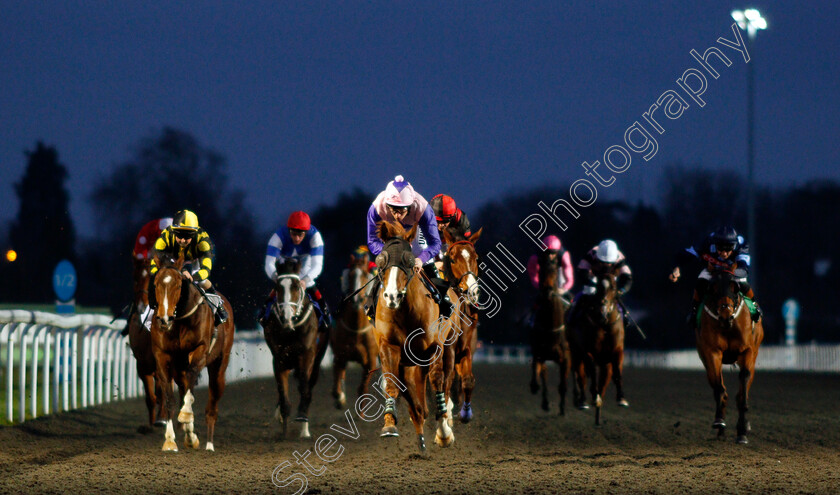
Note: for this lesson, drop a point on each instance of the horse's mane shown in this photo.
(386, 230)
(288, 266)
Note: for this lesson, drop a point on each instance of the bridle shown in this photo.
(298, 305)
(455, 283)
(384, 261)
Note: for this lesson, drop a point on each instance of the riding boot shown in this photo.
(131, 309)
(690, 320)
(748, 292)
(220, 315)
(326, 317)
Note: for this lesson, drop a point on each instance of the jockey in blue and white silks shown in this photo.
(299, 239)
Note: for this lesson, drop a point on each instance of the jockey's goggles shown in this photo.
(184, 234)
(296, 232)
(398, 209)
(725, 247)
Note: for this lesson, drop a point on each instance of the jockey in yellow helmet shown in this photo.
(184, 238)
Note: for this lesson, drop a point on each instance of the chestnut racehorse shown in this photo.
(460, 267)
(548, 337)
(140, 340)
(596, 341)
(413, 344)
(352, 339)
(292, 335)
(184, 342)
(727, 335)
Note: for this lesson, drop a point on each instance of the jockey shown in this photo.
(301, 240)
(400, 203)
(185, 238)
(555, 250)
(604, 256)
(142, 244)
(362, 253)
(723, 249)
(566, 278)
(449, 216)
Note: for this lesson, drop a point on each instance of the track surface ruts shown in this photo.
(662, 444)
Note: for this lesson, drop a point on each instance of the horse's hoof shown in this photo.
(583, 406)
(340, 404)
(421, 442)
(444, 442)
(741, 440)
(719, 424)
(466, 414)
(389, 431)
(304, 430)
(169, 446)
(623, 402)
(191, 441)
(185, 417)
(534, 387)
(161, 423)
(210, 447)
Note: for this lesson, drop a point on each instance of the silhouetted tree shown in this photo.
(43, 232)
(170, 171)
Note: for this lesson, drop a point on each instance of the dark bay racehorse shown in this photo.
(727, 335)
(413, 344)
(352, 339)
(460, 267)
(292, 335)
(596, 341)
(140, 341)
(184, 342)
(548, 337)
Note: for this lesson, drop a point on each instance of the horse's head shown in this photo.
(356, 276)
(168, 287)
(461, 264)
(607, 294)
(395, 262)
(725, 296)
(141, 281)
(549, 275)
(291, 295)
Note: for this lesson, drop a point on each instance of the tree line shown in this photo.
(170, 170)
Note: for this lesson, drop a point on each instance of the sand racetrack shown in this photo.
(662, 444)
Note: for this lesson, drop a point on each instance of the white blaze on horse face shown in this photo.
(472, 283)
(167, 279)
(392, 292)
(286, 283)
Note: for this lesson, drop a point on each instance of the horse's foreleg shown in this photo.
(604, 375)
(216, 387)
(281, 378)
(618, 379)
(164, 372)
(714, 363)
(339, 373)
(415, 396)
(444, 436)
(304, 374)
(389, 355)
(535, 387)
(564, 372)
(746, 363)
(151, 397)
(542, 371)
(467, 386)
(185, 415)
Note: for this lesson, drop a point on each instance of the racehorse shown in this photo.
(413, 343)
(548, 339)
(596, 338)
(140, 340)
(292, 335)
(352, 339)
(460, 267)
(185, 341)
(727, 335)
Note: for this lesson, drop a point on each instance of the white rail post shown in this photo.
(57, 370)
(46, 371)
(22, 372)
(108, 364)
(10, 364)
(70, 345)
(100, 358)
(35, 337)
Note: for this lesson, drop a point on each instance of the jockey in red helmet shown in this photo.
(301, 240)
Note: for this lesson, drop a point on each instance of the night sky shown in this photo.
(474, 99)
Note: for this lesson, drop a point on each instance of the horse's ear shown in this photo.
(411, 234)
(475, 235)
(446, 236)
(382, 230)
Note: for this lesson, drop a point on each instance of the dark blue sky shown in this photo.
(474, 99)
